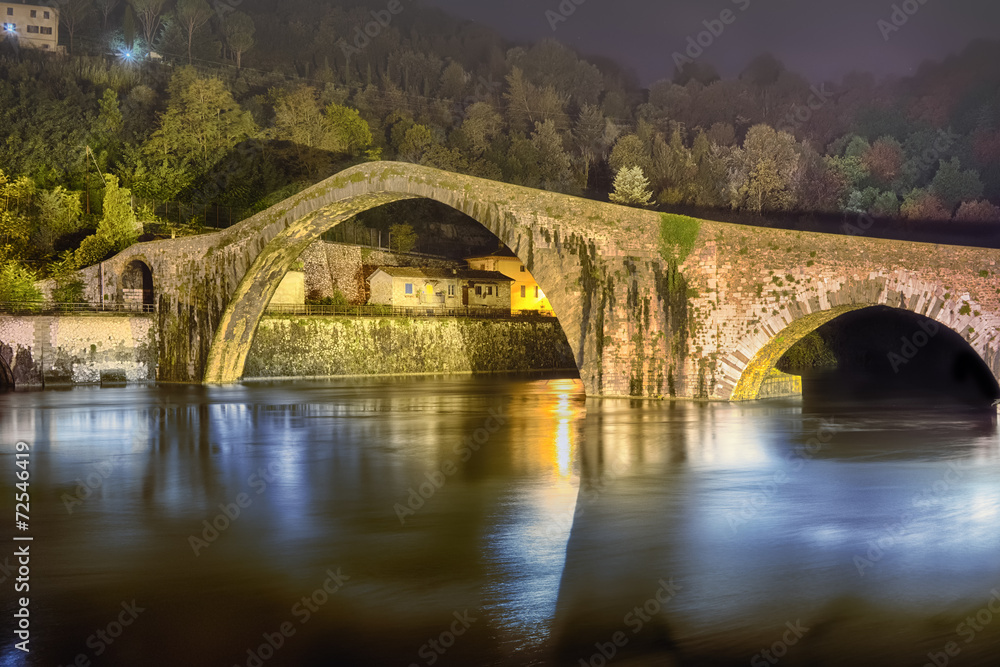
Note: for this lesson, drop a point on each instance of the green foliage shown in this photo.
(765, 168)
(678, 234)
(338, 299)
(68, 289)
(403, 238)
(965, 310)
(239, 31)
(952, 185)
(95, 248)
(348, 130)
(202, 122)
(631, 188)
(118, 225)
(17, 283)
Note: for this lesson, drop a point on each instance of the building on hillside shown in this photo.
(439, 288)
(525, 294)
(35, 26)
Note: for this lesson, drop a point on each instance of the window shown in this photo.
(46, 31)
(489, 290)
(522, 268)
(536, 291)
(479, 290)
(523, 290)
(451, 290)
(34, 15)
(10, 11)
(409, 288)
(33, 28)
(45, 15)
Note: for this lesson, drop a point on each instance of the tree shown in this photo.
(17, 284)
(106, 7)
(884, 161)
(59, 212)
(480, 126)
(14, 224)
(348, 132)
(553, 162)
(589, 137)
(952, 186)
(239, 31)
(922, 205)
(118, 225)
(297, 117)
(150, 16)
(117, 230)
(630, 151)
(403, 238)
(202, 122)
(528, 103)
(631, 188)
(416, 141)
(977, 211)
(192, 15)
(765, 169)
(72, 14)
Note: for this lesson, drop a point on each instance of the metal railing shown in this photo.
(404, 311)
(54, 308)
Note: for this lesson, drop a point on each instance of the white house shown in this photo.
(439, 288)
(35, 26)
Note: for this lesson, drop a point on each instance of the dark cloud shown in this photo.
(821, 39)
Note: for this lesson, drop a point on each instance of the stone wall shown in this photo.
(43, 350)
(323, 346)
(332, 266)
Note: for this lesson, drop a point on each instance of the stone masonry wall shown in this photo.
(43, 350)
(322, 346)
(755, 291)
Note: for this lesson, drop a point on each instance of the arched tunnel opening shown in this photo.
(422, 261)
(882, 356)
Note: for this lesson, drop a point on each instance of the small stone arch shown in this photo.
(137, 285)
(757, 354)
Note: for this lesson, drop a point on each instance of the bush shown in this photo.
(338, 299)
(95, 248)
(68, 289)
(18, 284)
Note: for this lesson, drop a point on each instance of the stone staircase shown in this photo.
(41, 349)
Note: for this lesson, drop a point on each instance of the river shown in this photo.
(498, 521)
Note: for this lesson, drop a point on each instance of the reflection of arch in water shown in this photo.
(137, 283)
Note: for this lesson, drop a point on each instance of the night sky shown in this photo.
(820, 39)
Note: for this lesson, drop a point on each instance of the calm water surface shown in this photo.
(499, 521)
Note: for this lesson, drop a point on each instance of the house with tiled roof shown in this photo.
(403, 286)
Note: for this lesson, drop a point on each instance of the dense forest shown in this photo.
(185, 114)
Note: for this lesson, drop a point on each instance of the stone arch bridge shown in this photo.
(652, 305)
